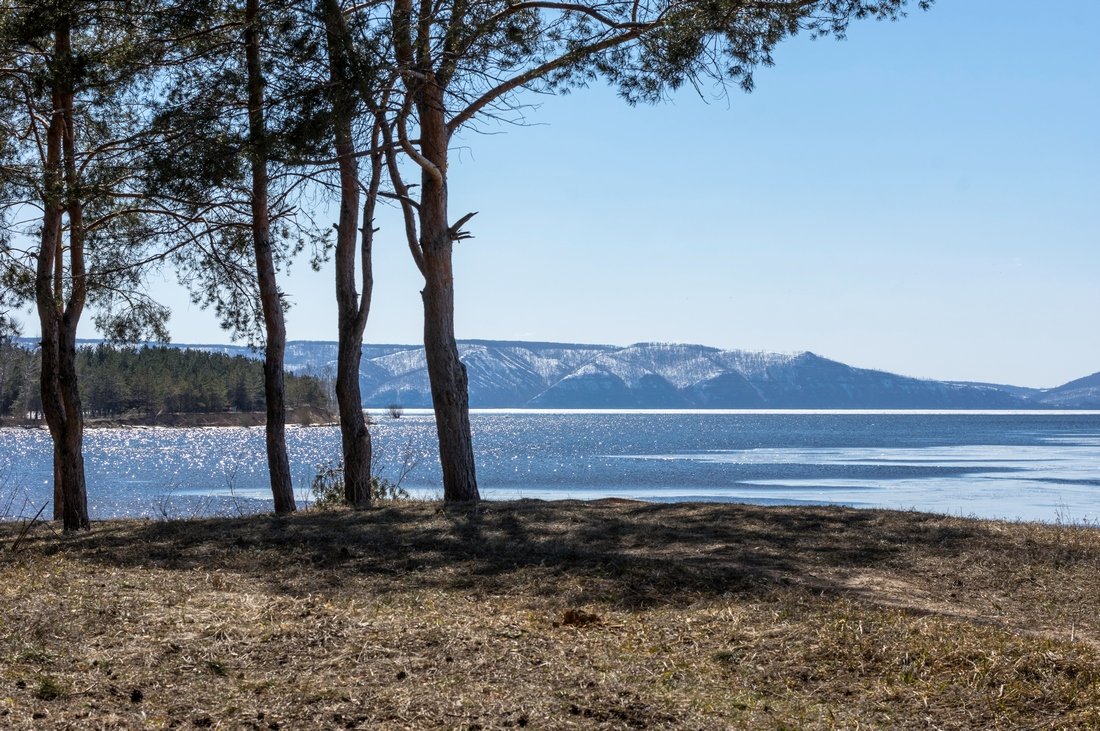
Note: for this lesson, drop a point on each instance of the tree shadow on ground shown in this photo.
(619, 552)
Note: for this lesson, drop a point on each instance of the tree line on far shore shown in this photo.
(197, 137)
(129, 381)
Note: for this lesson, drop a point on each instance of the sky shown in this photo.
(922, 197)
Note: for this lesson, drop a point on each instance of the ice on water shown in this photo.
(1033, 466)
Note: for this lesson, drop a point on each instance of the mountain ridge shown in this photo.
(554, 375)
(537, 374)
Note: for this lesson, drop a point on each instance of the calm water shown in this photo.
(1034, 466)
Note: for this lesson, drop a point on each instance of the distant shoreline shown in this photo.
(309, 416)
(298, 416)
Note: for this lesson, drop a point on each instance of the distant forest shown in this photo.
(117, 381)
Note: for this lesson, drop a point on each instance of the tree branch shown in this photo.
(539, 71)
(611, 23)
(408, 212)
(456, 233)
(403, 136)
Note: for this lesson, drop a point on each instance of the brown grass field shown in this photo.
(603, 615)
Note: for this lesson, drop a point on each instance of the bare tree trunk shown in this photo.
(447, 374)
(58, 481)
(278, 462)
(4, 355)
(354, 434)
(48, 303)
(72, 434)
(352, 309)
(448, 379)
(58, 319)
(61, 407)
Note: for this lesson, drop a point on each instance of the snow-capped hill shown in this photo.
(398, 363)
(663, 375)
(680, 365)
(506, 374)
(1082, 393)
(754, 364)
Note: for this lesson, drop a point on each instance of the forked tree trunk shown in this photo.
(352, 309)
(58, 318)
(278, 463)
(447, 374)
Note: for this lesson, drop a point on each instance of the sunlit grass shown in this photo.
(554, 615)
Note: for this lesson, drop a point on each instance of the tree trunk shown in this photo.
(352, 309)
(58, 480)
(72, 433)
(61, 397)
(354, 435)
(58, 319)
(447, 374)
(61, 406)
(278, 463)
(3, 376)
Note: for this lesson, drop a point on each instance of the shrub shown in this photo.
(327, 487)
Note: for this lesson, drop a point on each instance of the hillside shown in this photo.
(1082, 393)
(659, 375)
(513, 374)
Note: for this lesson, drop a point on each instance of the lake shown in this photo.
(1017, 465)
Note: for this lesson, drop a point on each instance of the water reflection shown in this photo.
(1030, 466)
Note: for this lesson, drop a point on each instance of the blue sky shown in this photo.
(923, 197)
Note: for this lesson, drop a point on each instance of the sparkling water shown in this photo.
(1025, 465)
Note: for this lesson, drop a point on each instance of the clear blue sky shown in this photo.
(923, 197)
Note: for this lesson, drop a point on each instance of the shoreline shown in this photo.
(309, 416)
(297, 416)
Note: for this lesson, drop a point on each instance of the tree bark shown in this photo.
(61, 407)
(58, 480)
(3, 374)
(278, 462)
(446, 373)
(72, 434)
(355, 437)
(352, 309)
(58, 318)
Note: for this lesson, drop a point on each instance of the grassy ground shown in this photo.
(553, 615)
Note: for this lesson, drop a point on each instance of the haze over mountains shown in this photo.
(506, 374)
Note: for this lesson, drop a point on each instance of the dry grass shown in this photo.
(553, 615)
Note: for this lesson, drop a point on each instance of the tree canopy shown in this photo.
(139, 131)
(425, 70)
(145, 380)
